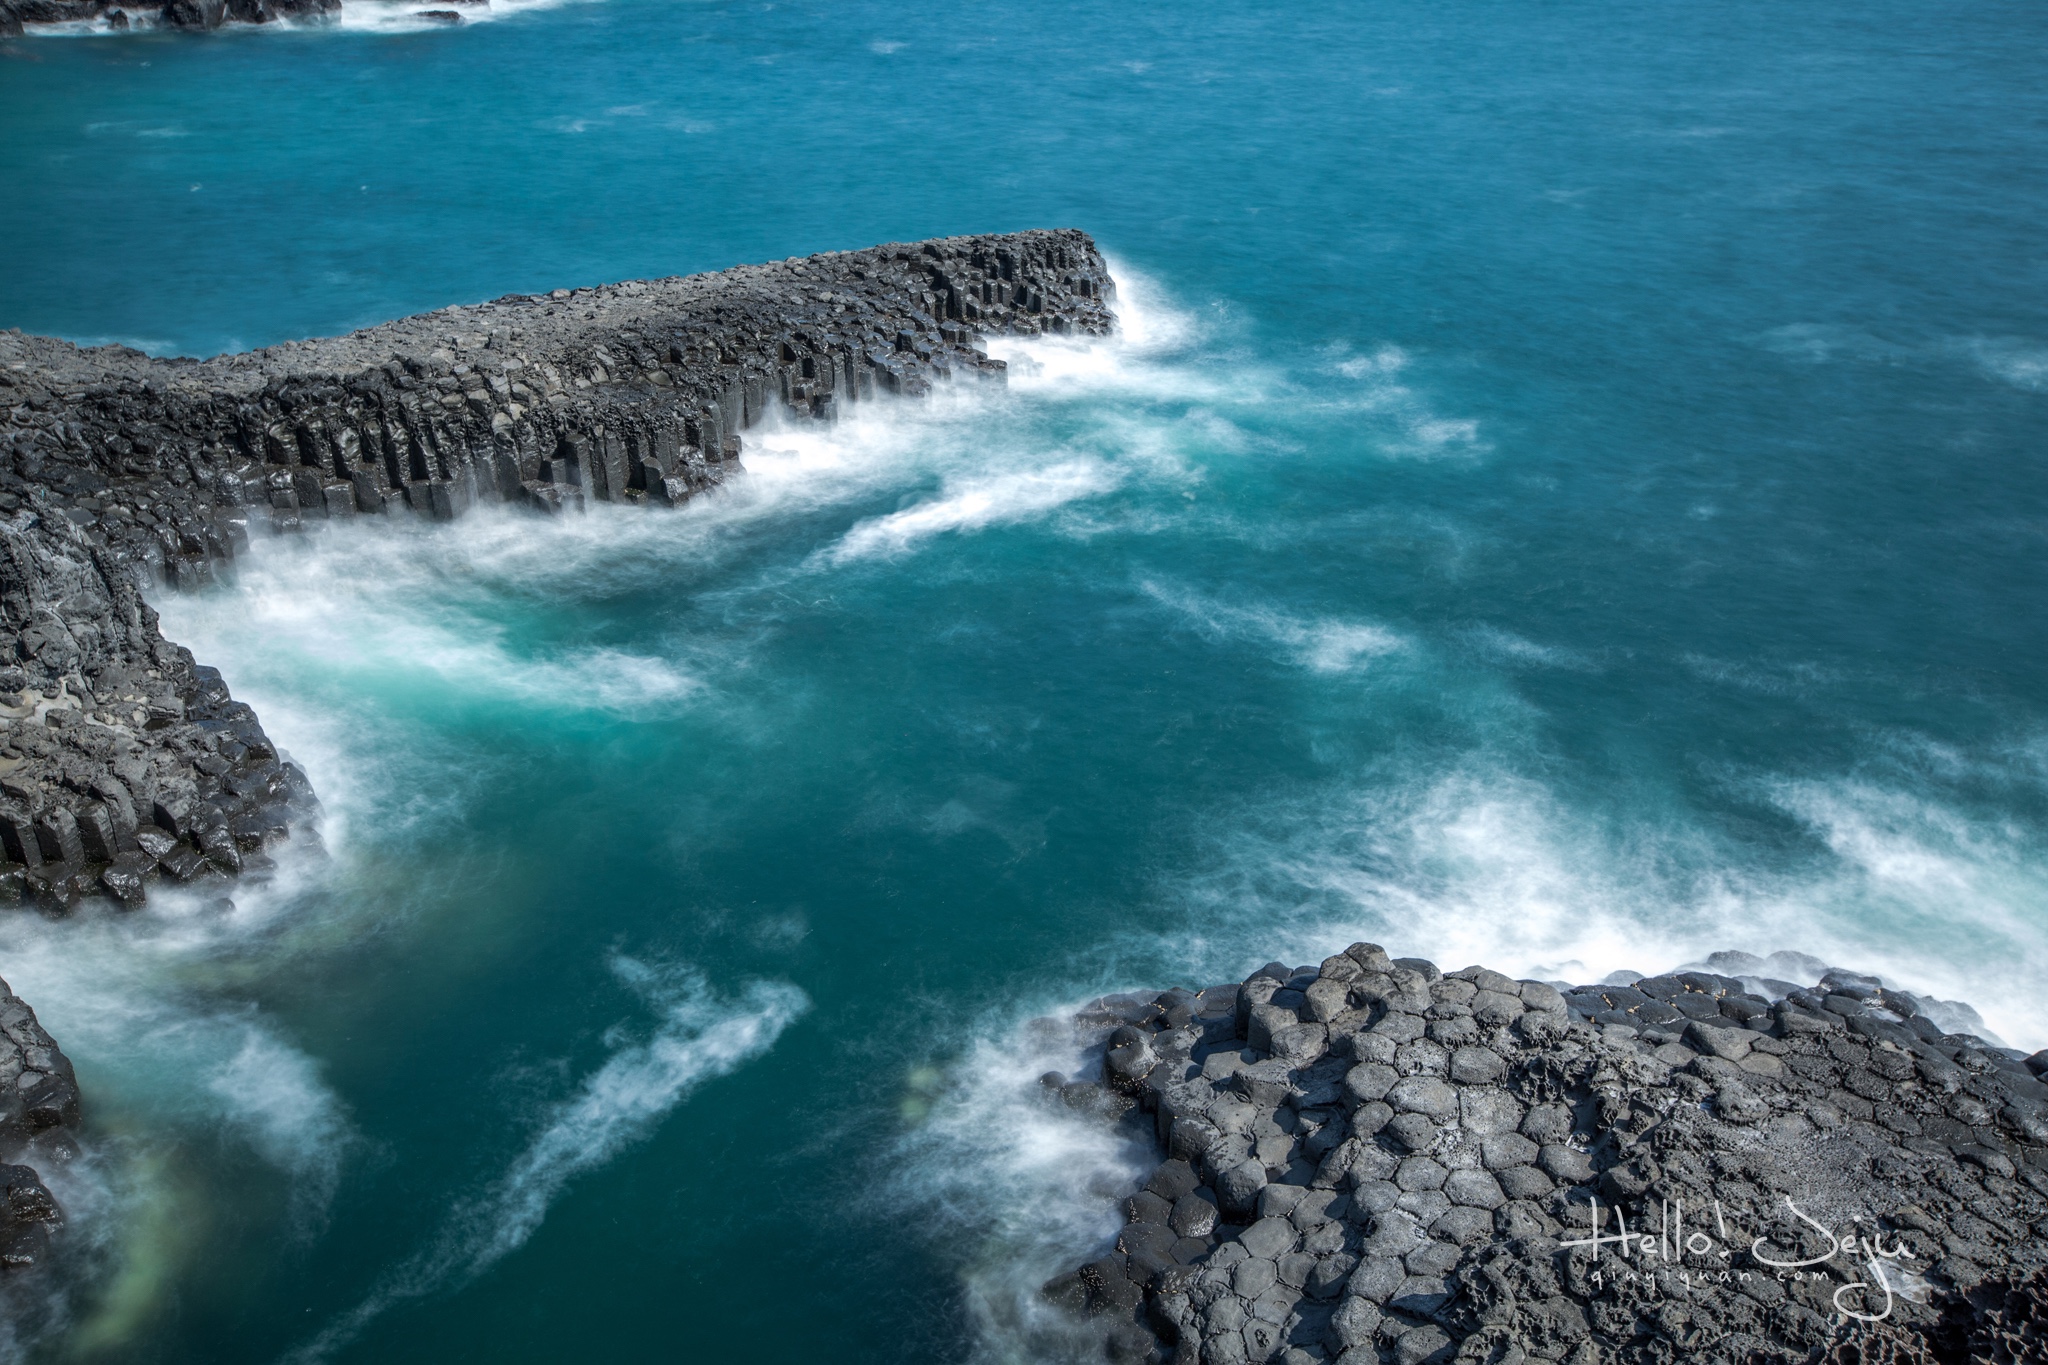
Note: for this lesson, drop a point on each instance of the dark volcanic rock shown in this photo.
(1999, 1322)
(122, 760)
(186, 14)
(38, 1112)
(57, 11)
(1469, 1168)
(195, 13)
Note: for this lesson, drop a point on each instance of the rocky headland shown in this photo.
(1370, 1160)
(126, 764)
(17, 15)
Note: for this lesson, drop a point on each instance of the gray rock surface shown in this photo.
(1474, 1169)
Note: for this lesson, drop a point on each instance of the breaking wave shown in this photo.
(1015, 1185)
(1486, 865)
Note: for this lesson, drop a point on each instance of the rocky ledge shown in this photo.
(123, 761)
(1373, 1161)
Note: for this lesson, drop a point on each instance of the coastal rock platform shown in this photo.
(1371, 1160)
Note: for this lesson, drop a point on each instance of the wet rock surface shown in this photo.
(1370, 1160)
(38, 1117)
(124, 762)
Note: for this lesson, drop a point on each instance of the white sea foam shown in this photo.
(1017, 1186)
(1520, 650)
(1152, 357)
(697, 1037)
(1405, 425)
(396, 603)
(1820, 342)
(118, 991)
(1485, 865)
(289, 1116)
(2013, 360)
(971, 505)
(173, 1062)
(403, 16)
(2019, 361)
(1776, 679)
(1321, 644)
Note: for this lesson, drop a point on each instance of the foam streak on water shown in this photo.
(698, 1036)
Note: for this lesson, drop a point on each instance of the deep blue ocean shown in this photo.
(1571, 492)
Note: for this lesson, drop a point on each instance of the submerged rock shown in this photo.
(1464, 1167)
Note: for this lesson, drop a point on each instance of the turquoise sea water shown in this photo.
(1569, 494)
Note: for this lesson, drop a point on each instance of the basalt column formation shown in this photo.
(1369, 1161)
(122, 760)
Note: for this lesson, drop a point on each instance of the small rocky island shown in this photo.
(1370, 1160)
(125, 764)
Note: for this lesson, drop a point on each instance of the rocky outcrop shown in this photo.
(124, 762)
(194, 14)
(38, 1112)
(1372, 1161)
